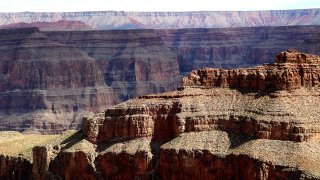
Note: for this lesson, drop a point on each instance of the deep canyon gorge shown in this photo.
(51, 79)
(160, 95)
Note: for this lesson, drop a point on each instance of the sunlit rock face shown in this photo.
(256, 122)
(103, 20)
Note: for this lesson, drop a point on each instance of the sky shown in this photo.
(152, 5)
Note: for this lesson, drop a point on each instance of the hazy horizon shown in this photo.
(153, 5)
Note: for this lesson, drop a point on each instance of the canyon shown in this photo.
(50, 80)
(254, 123)
(103, 20)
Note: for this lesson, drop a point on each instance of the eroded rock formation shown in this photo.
(212, 127)
(50, 80)
(15, 168)
(206, 130)
(47, 86)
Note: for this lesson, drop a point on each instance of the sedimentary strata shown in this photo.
(204, 129)
(171, 20)
(50, 80)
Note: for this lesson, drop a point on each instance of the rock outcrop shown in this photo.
(15, 168)
(211, 130)
(171, 20)
(292, 70)
(256, 101)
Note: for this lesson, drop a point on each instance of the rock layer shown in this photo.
(50, 80)
(60, 25)
(172, 20)
(293, 70)
(43, 77)
(202, 130)
(207, 130)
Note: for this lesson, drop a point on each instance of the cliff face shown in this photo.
(134, 62)
(237, 47)
(207, 130)
(43, 81)
(172, 20)
(202, 130)
(14, 168)
(50, 80)
(292, 70)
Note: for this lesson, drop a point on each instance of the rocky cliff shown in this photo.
(171, 20)
(237, 47)
(134, 62)
(254, 123)
(47, 86)
(50, 80)
(204, 130)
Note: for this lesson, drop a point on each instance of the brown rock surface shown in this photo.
(134, 62)
(292, 70)
(275, 101)
(45, 85)
(14, 168)
(216, 154)
(128, 160)
(237, 47)
(210, 131)
(203, 130)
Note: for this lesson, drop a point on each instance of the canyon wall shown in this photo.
(46, 86)
(170, 20)
(50, 80)
(203, 130)
(237, 47)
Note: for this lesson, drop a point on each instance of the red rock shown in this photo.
(14, 168)
(263, 108)
(292, 70)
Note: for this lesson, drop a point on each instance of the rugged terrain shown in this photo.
(170, 20)
(251, 123)
(46, 86)
(50, 80)
(60, 25)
